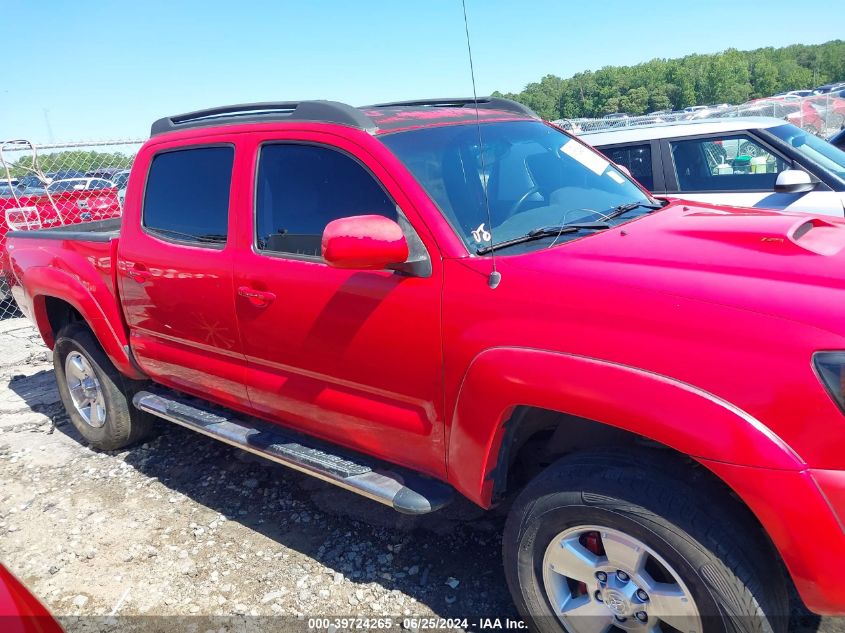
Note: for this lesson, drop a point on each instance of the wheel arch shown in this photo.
(622, 402)
(58, 298)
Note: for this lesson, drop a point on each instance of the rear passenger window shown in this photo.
(637, 158)
(187, 195)
(301, 188)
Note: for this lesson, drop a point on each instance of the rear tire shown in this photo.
(693, 551)
(97, 397)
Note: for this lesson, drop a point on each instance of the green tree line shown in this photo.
(732, 76)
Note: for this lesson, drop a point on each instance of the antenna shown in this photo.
(495, 276)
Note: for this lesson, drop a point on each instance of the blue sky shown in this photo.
(101, 70)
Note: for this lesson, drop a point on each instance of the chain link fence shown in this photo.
(43, 186)
(822, 115)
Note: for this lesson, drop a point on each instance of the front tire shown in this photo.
(617, 541)
(96, 396)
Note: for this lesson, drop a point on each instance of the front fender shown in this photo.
(668, 411)
(102, 316)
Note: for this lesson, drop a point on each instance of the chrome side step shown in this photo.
(404, 491)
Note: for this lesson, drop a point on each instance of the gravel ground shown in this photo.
(183, 527)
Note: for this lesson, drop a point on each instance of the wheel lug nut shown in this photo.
(642, 595)
(601, 576)
(597, 595)
(642, 616)
(621, 575)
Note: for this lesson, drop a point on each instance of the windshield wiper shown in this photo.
(622, 209)
(213, 238)
(544, 231)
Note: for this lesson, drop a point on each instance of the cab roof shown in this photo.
(381, 118)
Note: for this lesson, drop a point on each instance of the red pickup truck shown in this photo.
(421, 299)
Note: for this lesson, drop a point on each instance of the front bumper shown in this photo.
(803, 513)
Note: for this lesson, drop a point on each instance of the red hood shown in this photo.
(787, 265)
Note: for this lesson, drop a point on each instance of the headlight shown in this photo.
(830, 366)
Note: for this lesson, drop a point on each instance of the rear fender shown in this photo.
(665, 410)
(103, 317)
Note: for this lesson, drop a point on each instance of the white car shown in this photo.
(79, 184)
(796, 93)
(749, 162)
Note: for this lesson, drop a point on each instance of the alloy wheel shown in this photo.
(85, 390)
(599, 579)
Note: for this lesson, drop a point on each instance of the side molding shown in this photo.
(642, 402)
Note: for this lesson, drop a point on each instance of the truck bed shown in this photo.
(97, 231)
(73, 263)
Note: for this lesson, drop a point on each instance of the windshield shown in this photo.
(809, 146)
(535, 175)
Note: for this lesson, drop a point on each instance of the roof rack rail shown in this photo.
(322, 111)
(493, 103)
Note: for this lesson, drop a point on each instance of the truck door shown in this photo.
(175, 272)
(352, 356)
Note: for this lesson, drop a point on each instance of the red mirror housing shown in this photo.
(364, 242)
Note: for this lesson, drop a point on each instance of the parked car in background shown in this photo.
(749, 162)
(120, 178)
(803, 114)
(831, 87)
(838, 139)
(9, 190)
(799, 112)
(831, 107)
(79, 184)
(63, 175)
(61, 202)
(31, 181)
(616, 119)
(121, 181)
(103, 172)
(795, 93)
(117, 175)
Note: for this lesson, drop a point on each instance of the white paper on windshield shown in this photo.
(590, 159)
(616, 176)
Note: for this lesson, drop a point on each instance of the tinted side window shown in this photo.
(301, 188)
(187, 196)
(727, 163)
(637, 158)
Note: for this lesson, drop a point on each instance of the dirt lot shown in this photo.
(185, 526)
